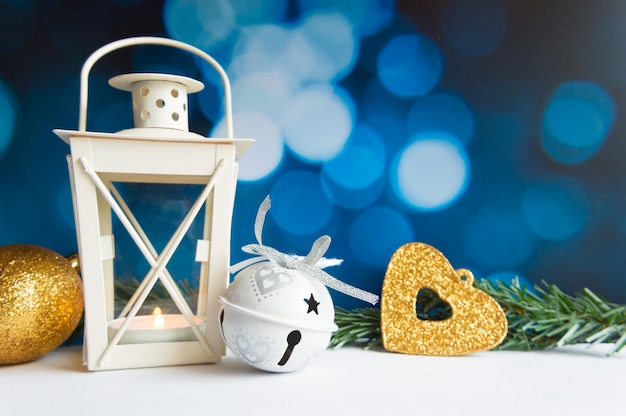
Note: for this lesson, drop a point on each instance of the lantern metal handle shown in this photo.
(148, 40)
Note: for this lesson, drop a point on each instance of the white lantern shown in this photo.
(146, 197)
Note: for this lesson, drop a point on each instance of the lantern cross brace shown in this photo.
(149, 253)
(158, 263)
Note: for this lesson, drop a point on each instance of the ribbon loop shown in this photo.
(317, 250)
(260, 219)
(306, 265)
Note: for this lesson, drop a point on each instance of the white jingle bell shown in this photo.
(276, 319)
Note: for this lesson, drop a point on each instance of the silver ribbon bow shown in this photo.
(306, 265)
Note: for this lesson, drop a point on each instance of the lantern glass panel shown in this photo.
(158, 209)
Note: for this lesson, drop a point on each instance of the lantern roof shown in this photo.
(159, 104)
(126, 82)
(156, 134)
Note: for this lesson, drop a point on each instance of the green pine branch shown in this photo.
(360, 327)
(541, 319)
(126, 287)
(551, 318)
(546, 319)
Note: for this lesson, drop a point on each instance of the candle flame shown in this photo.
(159, 322)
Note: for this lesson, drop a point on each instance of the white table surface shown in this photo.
(351, 381)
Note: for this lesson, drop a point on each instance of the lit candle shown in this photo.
(157, 327)
(159, 322)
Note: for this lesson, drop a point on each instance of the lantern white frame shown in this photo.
(150, 155)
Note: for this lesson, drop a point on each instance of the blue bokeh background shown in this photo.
(491, 129)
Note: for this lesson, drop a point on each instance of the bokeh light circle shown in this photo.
(367, 136)
(556, 208)
(576, 122)
(260, 48)
(299, 204)
(431, 172)
(474, 28)
(409, 65)
(377, 233)
(267, 92)
(249, 12)
(367, 16)
(354, 179)
(333, 43)
(268, 151)
(204, 24)
(317, 123)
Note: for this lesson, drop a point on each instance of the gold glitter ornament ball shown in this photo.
(41, 302)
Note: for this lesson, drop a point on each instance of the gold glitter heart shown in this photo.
(477, 323)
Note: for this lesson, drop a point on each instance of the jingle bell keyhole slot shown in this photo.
(293, 339)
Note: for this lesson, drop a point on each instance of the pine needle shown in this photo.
(360, 327)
